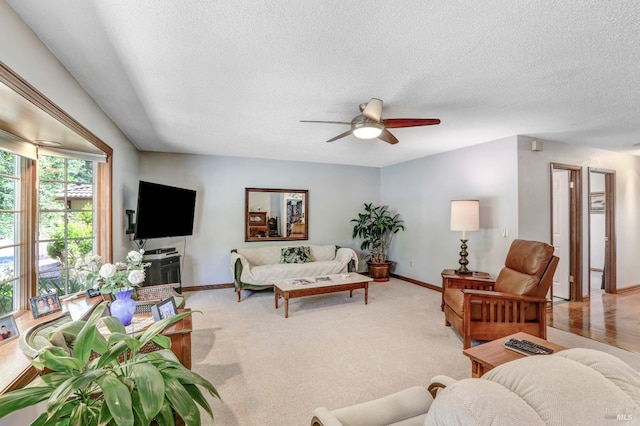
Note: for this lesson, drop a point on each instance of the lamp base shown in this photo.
(463, 259)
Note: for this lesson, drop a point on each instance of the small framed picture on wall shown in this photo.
(8, 329)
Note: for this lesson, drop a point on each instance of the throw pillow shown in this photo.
(299, 254)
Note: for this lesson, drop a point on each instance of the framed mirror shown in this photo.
(276, 214)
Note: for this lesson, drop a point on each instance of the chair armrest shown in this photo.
(475, 283)
(323, 417)
(484, 294)
(390, 409)
(439, 382)
(349, 255)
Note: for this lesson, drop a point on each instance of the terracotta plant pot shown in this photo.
(379, 271)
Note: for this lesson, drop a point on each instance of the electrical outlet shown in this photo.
(411, 264)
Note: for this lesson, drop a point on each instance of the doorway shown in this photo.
(566, 230)
(602, 239)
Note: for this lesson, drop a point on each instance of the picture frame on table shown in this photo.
(165, 309)
(44, 305)
(8, 329)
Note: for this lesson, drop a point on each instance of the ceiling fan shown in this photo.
(370, 124)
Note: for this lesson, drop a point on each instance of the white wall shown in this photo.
(23, 52)
(421, 191)
(534, 201)
(336, 194)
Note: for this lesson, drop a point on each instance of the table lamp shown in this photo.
(465, 216)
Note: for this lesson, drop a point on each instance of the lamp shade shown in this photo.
(465, 215)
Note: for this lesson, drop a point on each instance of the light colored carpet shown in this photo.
(332, 351)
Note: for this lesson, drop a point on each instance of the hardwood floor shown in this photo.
(607, 318)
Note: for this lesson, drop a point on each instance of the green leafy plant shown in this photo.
(376, 227)
(121, 386)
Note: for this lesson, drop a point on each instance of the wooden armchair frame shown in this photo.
(500, 314)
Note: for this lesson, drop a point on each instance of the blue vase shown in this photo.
(123, 307)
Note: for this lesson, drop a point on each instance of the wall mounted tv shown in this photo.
(164, 211)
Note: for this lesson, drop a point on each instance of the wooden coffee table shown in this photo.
(492, 354)
(310, 286)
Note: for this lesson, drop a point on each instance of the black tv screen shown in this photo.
(164, 211)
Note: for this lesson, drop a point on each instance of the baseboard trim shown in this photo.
(400, 277)
(630, 289)
(416, 282)
(208, 287)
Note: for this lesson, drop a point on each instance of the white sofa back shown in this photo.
(270, 255)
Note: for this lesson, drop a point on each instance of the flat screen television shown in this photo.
(164, 211)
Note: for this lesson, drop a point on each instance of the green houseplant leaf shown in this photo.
(110, 381)
(376, 228)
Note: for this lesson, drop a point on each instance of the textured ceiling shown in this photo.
(235, 77)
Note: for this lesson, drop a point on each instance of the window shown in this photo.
(9, 231)
(65, 222)
(79, 161)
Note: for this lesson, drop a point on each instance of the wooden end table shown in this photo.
(492, 354)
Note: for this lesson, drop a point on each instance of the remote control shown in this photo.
(526, 347)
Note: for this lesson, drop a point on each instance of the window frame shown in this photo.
(28, 204)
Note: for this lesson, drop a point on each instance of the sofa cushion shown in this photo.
(575, 386)
(261, 255)
(322, 253)
(299, 254)
(514, 282)
(480, 402)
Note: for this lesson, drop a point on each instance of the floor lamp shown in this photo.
(465, 216)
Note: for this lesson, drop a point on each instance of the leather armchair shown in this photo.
(515, 301)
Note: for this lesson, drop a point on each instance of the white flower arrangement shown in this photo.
(112, 278)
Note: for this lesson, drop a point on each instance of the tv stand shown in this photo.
(164, 271)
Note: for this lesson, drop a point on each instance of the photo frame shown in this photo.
(596, 202)
(44, 305)
(165, 309)
(8, 329)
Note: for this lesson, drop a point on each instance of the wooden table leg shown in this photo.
(366, 293)
(350, 293)
(286, 305)
(275, 293)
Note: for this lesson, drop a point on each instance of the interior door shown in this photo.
(560, 232)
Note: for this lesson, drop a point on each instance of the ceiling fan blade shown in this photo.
(394, 123)
(330, 122)
(373, 110)
(388, 137)
(341, 135)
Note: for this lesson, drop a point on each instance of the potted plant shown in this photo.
(118, 279)
(111, 381)
(376, 227)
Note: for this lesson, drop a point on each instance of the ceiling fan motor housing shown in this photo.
(365, 128)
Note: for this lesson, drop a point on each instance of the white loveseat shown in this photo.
(257, 268)
(572, 387)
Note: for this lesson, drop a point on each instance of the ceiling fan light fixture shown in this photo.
(367, 130)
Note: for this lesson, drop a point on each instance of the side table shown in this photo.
(489, 355)
(452, 279)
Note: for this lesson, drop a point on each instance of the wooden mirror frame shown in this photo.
(259, 224)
